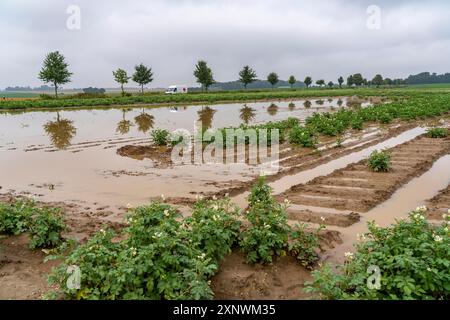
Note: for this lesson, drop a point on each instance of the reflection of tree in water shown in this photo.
(307, 104)
(272, 109)
(205, 117)
(247, 114)
(291, 106)
(123, 127)
(144, 121)
(61, 132)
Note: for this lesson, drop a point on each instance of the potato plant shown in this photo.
(161, 137)
(303, 137)
(438, 132)
(379, 161)
(44, 225)
(214, 227)
(412, 257)
(46, 229)
(269, 234)
(16, 217)
(161, 255)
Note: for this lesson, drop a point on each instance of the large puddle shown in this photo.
(71, 154)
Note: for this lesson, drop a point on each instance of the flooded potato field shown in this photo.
(96, 164)
(71, 155)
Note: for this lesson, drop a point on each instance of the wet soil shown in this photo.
(161, 155)
(23, 273)
(439, 205)
(338, 200)
(356, 188)
(284, 279)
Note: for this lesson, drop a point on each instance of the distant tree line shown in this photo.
(428, 78)
(17, 88)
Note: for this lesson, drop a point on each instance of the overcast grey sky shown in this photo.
(324, 39)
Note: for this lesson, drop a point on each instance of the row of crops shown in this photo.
(191, 98)
(336, 123)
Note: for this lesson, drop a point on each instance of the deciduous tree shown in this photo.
(273, 79)
(121, 77)
(292, 81)
(142, 75)
(55, 70)
(307, 82)
(203, 74)
(247, 75)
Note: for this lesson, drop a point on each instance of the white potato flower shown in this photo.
(348, 255)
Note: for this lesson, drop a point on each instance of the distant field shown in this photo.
(18, 94)
(433, 85)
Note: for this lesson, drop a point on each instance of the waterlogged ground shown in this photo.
(71, 155)
(72, 159)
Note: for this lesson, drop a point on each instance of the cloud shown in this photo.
(323, 39)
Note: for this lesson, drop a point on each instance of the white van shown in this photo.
(177, 89)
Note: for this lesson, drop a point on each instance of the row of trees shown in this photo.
(142, 75)
(55, 71)
(358, 80)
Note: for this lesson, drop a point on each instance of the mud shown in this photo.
(284, 279)
(160, 155)
(23, 273)
(439, 204)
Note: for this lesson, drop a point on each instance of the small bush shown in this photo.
(379, 161)
(303, 245)
(412, 257)
(160, 137)
(302, 136)
(214, 227)
(15, 218)
(268, 234)
(46, 228)
(357, 123)
(46, 96)
(438, 132)
(160, 256)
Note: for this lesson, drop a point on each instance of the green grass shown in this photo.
(213, 97)
(18, 94)
(156, 99)
(432, 85)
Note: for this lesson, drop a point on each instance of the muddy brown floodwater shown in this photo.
(71, 155)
